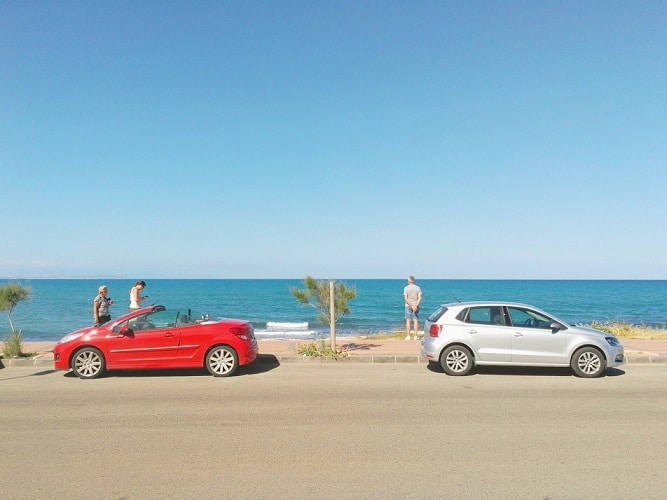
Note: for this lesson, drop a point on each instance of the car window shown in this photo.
(152, 320)
(435, 316)
(188, 318)
(528, 318)
(163, 319)
(485, 315)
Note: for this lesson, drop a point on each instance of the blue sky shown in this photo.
(341, 139)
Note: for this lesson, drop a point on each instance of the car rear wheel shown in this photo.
(88, 363)
(222, 361)
(588, 362)
(457, 360)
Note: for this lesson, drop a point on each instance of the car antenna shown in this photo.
(457, 299)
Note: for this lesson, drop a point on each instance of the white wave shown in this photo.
(275, 325)
(276, 334)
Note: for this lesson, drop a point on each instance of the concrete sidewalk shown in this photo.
(357, 350)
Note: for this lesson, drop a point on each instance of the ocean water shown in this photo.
(59, 306)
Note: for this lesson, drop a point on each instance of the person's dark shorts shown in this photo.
(104, 319)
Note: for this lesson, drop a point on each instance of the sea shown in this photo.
(58, 306)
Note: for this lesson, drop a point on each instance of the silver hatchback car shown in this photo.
(461, 335)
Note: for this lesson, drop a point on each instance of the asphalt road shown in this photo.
(334, 431)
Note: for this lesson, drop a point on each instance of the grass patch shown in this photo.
(629, 331)
(12, 347)
(320, 349)
(399, 335)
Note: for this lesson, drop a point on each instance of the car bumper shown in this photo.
(429, 351)
(60, 359)
(616, 356)
(250, 353)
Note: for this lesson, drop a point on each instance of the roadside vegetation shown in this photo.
(10, 296)
(329, 298)
(320, 349)
(629, 331)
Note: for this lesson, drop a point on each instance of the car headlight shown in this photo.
(70, 337)
(613, 341)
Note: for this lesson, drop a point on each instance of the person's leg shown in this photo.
(416, 325)
(407, 329)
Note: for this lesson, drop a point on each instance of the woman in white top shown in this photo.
(135, 298)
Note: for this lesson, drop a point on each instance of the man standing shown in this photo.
(412, 295)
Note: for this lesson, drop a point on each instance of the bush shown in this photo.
(320, 349)
(629, 331)
(13, 345)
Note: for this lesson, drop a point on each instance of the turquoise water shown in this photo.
(59, 306)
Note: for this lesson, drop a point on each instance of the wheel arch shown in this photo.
(457, 343)
(85, 346)
(218, 344)
(575, 348)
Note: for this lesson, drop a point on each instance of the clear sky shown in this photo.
(337, 138)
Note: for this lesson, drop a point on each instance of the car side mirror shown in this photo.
(555, 327)
(125, 331)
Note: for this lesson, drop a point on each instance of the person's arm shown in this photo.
(407, 301)
(96, 311)
(419, 299)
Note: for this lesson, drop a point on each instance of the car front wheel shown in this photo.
(88, 363)
(222, 361)
(588, 362)
(456, 360)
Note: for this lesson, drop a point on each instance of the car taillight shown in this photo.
(435, 330)
(242, 332)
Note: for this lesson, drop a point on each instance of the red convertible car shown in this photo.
(157, 338)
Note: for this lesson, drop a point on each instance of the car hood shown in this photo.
(78, 333)
(591, 332)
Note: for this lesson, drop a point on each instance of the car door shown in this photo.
(194, 338)
(533, 339)
(487, 333)
(151, 342)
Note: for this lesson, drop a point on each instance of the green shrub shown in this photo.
(320, 349)
(13, 345)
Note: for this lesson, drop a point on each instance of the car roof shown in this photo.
(487, 303)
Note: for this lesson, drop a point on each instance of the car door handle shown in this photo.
(472, 332)
(168, 334)
(518, 334)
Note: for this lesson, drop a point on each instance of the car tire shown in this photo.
(588, 362)
(88, 363)
(457, 360)
(222, 361)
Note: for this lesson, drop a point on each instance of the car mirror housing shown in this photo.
(555, 327)
(125, 331)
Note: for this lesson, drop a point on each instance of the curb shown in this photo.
(630, 358)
